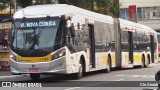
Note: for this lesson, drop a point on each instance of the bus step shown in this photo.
(130, 65)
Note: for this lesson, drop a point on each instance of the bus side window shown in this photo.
(69, 37)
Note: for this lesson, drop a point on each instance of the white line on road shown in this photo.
(13, 76)
(72, 88)
(119, 80)
(121, 75)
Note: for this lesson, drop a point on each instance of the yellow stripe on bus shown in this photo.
(105, 60)
(33, 59)
(113, 58)
(137, 58)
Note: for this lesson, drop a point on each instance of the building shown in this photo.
(148, 12)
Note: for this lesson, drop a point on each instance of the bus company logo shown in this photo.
(6, 84)
(19, 59)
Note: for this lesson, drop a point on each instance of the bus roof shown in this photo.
(52, 10)
(134, 25)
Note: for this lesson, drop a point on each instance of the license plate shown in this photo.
(33, 70)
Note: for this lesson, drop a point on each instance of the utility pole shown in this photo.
(15, 6)
(10, 8)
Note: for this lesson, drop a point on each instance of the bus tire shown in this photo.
(80, 72)
(34, 77)
(108, 69)
(143, 63)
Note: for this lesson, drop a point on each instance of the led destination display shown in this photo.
(36, 23)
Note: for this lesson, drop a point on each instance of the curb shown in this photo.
(13, 76)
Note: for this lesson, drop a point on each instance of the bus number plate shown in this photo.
(33, 70)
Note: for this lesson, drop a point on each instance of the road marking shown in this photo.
(121, 75)
(72, 88)
(119, 80)
(136, 76)
(13, 76)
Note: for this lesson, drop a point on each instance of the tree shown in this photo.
(24, 3)
(115, 8)
(62, 1)
(43, 2)
(70, 2)
(4, 4)
(107, 7)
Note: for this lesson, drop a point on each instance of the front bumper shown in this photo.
(57, 66)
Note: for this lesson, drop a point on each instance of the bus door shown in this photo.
(92, 45)
(152, 48)
(130, 44)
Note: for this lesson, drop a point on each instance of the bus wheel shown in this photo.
(142, 63)
(80, 72)
(34, 76)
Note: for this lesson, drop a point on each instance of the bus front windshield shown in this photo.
(36, 38)
(30, 39)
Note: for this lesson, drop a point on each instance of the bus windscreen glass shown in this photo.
(38, 34)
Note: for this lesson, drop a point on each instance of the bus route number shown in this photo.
(44, 59)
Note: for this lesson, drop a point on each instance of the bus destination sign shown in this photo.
(37, 24)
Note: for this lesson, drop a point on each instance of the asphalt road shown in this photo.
(94, 80)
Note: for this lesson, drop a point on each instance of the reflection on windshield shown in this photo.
(34, 38)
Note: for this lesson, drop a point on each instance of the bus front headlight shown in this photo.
(13, 57)
(59, 54)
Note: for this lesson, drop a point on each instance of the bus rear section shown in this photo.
(158, 36)
(138, 44)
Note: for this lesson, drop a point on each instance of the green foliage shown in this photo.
(24, 3)
(108, 7)
(38, 2)
(62, 1)
(4, 4)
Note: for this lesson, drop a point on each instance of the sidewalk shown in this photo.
(5, 73)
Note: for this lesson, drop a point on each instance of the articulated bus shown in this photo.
(64, 39)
